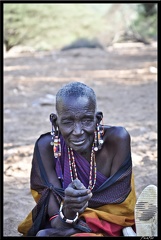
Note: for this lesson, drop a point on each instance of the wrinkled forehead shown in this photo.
(75, 104)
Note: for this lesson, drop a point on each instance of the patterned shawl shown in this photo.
(109, 210)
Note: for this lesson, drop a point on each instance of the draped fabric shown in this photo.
(109, 210)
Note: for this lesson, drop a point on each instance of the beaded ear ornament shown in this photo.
(98, 137)
(55, 140)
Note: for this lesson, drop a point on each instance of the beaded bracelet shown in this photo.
(65, 219)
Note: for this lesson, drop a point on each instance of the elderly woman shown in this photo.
(81, 176)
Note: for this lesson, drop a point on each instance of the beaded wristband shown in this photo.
(65, 219)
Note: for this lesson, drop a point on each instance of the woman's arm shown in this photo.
(76, 195)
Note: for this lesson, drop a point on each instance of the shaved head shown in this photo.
(76, 90)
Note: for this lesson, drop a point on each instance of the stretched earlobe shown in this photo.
(99, 116)
(53, 118)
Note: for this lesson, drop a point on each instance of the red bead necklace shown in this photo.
(73, 170)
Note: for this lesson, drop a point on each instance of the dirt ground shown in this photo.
(124, 77)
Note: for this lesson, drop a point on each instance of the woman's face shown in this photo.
(77, 122)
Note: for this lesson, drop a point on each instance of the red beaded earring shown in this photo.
(57, 144)
(100, 132)
(52, 134)
(98, 137)
(95, 141)
(55, 140)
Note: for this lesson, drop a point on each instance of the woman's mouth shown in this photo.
(77, 143)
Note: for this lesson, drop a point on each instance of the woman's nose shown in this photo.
(78, 128)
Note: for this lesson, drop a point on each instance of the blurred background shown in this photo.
(52, 26)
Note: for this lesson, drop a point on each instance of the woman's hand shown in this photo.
(76, 199)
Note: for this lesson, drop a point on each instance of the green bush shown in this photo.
(46, 26)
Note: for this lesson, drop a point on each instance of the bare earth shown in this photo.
(124, 77)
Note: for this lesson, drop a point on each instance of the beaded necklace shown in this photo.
(73, 170)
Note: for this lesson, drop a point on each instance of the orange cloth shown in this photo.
(104, 220)
(109, 220)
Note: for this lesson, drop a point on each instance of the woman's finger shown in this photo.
(76, 193)
(78, 199)
(78, 184)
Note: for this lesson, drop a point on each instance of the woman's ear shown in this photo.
(99, 116)
(53, 119)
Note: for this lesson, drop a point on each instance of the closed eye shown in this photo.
(67, 122)
(87, 120)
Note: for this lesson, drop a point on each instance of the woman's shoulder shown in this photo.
(116, 132)
(44, 148)
(44, 140)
